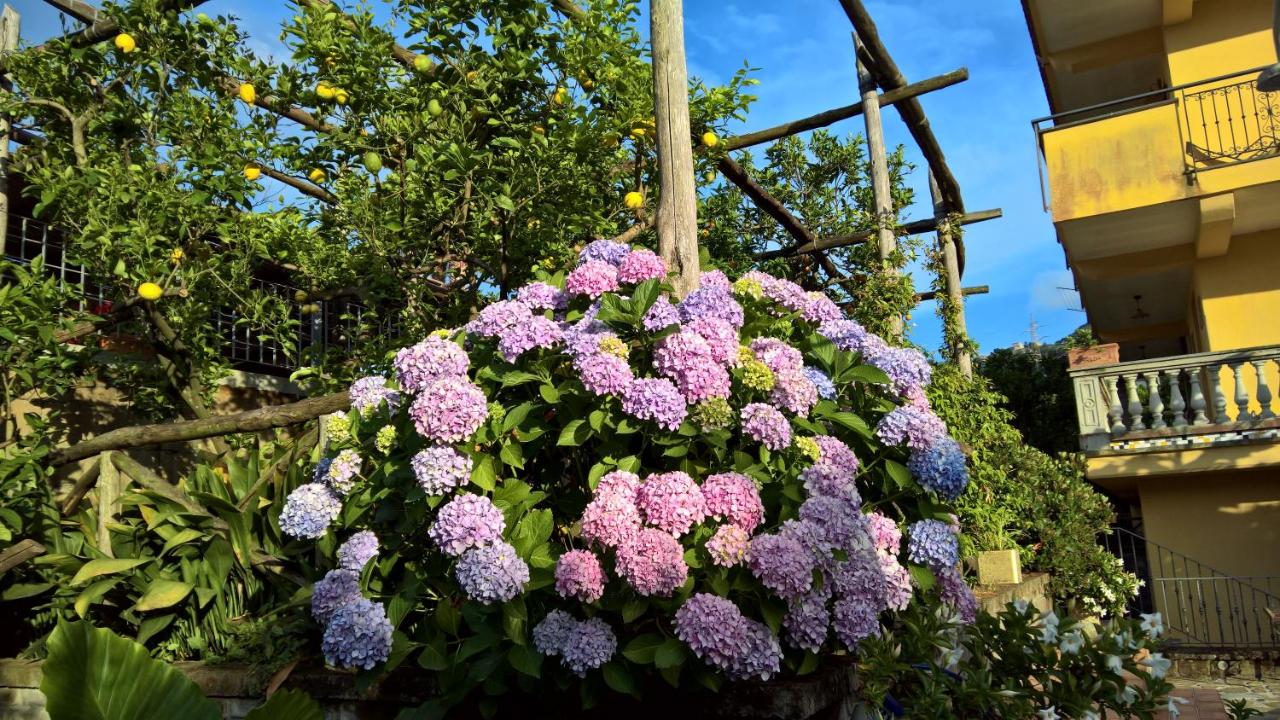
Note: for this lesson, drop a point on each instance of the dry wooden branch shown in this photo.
(83, 12)
(829, 117)
(633, 232)
(569, 10)
(18, 553)
(83, 485)
(249, 421)
(106, 28)
(678, 200)
(886, 72)
(912, 228)
(403, 55)
(766, 202)
(301, 186)
(933, 294)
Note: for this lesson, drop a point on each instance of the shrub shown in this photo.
(598, 474)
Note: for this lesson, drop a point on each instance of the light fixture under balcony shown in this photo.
(1269, 78)
(1138, 312)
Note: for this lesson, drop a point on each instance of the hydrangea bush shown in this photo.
(598, 480)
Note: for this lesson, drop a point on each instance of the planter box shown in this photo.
(1108, 354)
(999, 567)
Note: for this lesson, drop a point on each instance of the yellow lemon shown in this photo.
(633, 200)
(587, 83)
(422, 63)
(176, 255)
(637, 133)
(126, 43)
(341, 96)
(316, 175)
(251, 172)
(150, 291)
(558, 97)
(539, 130)
(325, 91)
(709, 139)
(710, 177)
(248, 93)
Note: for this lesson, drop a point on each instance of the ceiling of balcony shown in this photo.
(1139, 230)
(1065, 24)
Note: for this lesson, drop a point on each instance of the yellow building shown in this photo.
(1161, 168)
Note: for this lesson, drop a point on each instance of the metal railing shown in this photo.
(332, 324)
(1202, 606)
(1223, 120)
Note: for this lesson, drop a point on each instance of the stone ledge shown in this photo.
(1034, 588)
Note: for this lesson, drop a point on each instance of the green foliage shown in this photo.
(1015, 664)
(1239, 709)
(1037, 391)
(93, 674)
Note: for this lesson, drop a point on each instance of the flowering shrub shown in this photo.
(598, 472)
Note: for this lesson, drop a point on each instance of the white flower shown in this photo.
(1049, 633)
(1071, 642)
(1158, 663)
(1049, 713)
(1152, 625)
(1126, 696)
(1115, 664)
(1021, 605)
(953, 657)
(1172, 707)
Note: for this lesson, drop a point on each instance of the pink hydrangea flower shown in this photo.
(578, 575)
(641, 265)
(671, 502)
(766, 425)
(734, 497)
(728, 547)
(652, 562)
(449, 410)
(592, 278)
(612, 518)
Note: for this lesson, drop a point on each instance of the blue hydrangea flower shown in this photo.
(358, 550)
(588, 645)
(607, 251)
(358, 636)
(932, 543)
(440, 469)
(826, 388)
(309, 510)
(338, 588)
(492, 573)
(940, 468)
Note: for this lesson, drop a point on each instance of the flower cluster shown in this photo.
(913, 427)
(672, 502)
(309, 510)
(541, 296)
(733, 497)
(358, 550)
(581, 644)
(358, 635)
(491, 573)
(340, 473)
(640, 265)
(940, 468)
(434, 358)
(764, 424)
(449, 410)
(467, 521)
(687, 359)
(932, 543)
(440, 469)
(370, 393)
(657, 400)
(652, 562)
(578, 575)
(592, 278)
(720, 635)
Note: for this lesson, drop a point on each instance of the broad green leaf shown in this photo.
(287, 705)
(483, 474)
(852, 422)
(899, 473)
(94, 674)
(516, 415)
(617, 677)
(94, 568)
(162, 594)
(670, 654)
(514, 619)
(642, 649)
(533, 530)
(866, 374)
(574, 433)
(922, 577)
(432, 656)
(525, 660)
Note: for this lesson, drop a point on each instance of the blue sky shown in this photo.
(804, 54)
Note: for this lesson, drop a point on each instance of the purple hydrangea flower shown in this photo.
(808, 620)
(907, 368)
(655, 399)
(721, 338)
(846, 335)
(932, 543)
(819, 308)
(652, 562)
(827, 479)
(491, 573)
(584, 337)
(603, 374)
(728, 547)
(885, 534)
(777, 355)
(588, 645)
(954, 591)
(917, 429)
(735, 498)
(855, 620)
(607, 251)
(358, 550)
(711, 301)
(897, 582)
(341, 472)
(420, 365)
(467, 521)
(761, 658)
(449, 410)
(719, 635)
(549, 635)
(660, 314)
(592, 278)
(782, 564)
(495, 318)
(810, 536)
(940, 468)
(309, 510)
(826, 389)
(687, 359)
(368, 393)
(536, 332)
(640, 265)
(358, 636)
(578, 575)
(839, 520)
(764, 424)
(440, 469)
(671, 502)
(336, 589)
(833, 451)
(784, 292)
(541, 296)
(714, 279)
(860, 577)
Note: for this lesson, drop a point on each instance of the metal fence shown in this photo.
(1202, 607)
(332, 325)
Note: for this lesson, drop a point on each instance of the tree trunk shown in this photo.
(885, 220)
(957, 336)
(678, 203)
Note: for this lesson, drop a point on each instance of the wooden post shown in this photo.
(9, 26)
(885, 220)
(677, 203)
(951, 266)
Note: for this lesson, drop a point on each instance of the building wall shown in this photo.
(1222, 36)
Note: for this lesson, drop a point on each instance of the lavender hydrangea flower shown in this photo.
(592, 278)
(954, 591)
(917, 429)
(793, 391)
(782, 564)
(588, 645)
(578, 575)
(536, 332)
(368, 394)
(854, 620)
(440, 469)
(309, 510)
(819, 308)
(358, 550)
(826, 479)
(496, 318)
(714, 279)
(778, 355)
(833, 451)
(932, 543)
(661, 314)
(907, 368)
(808, 621)
(341, 472)
(711, 301)
(761, 658)
(336, 589)
(640, 265)
(940, 468)
(541, 296)
(764, 424)
(734, 497)
(846, 335)
(860, 577)
(358, 636)
(719, 635)
(687, 359)
(671, 502)
(491, 573)
(728, 547)
(420, 365)
(652, 562)
(603, 374)
(840, 521)
(721, 338)
(897, 582)
(821, 382)
(885, 534)
(550, 633)
(449, 410)
(585, 337)
(467, 521)
(655, 399)
(607, 251)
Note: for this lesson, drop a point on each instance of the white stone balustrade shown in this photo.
(1178, 394)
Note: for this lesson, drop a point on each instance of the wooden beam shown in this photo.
(829, 117)
(678, 200)
(912, 228)
(887, 74)
(18, 553)
(770, 205)
(959, 341)
(881, 192)
(81, 11)
(974, 290)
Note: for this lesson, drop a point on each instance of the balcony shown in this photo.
(1157, 147)
(1185, 402)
